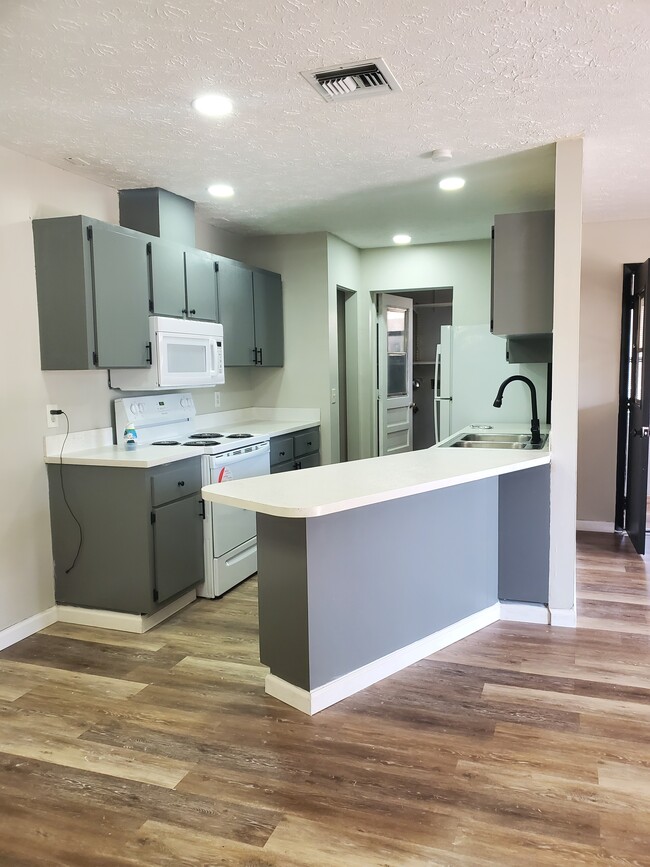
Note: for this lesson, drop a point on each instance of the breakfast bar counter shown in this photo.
(366, 567)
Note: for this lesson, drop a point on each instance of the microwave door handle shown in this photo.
(213, 357)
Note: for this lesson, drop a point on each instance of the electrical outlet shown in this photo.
(217, 399)
(52, 420)
(333, 399)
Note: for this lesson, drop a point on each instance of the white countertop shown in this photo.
(93, 448)
(338, 487)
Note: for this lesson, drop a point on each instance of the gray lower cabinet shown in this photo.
(251, 312)
(92, 283)
(522, 274)
(183, 281)
(296, 451)
(142, 532)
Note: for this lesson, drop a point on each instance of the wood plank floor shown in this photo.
(520, 745)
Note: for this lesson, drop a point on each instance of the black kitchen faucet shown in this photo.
(535, 438)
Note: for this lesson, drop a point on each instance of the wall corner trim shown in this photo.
(25, 628)
(563, 617)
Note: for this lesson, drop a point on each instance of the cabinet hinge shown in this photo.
(153, 517)
(89, 232)
(155, 595)
(95, 358)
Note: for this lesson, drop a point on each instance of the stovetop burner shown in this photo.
(166, 443)
(239, 436)
(205, 436)
(201, 443)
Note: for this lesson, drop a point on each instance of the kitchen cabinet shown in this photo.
(142, 534)
(250, 310)
(183, 281)
(297, 451)
(92, 286)
(522, 274)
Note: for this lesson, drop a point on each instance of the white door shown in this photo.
(395, 374)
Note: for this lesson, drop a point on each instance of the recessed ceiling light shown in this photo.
(441, 154)
(212, 105)
(221, 191)
(401, 239)
(452, 184)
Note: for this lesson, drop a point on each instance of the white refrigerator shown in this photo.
(470, 366)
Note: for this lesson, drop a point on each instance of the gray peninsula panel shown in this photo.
(384, 576)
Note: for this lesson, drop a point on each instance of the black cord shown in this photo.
(65, 499)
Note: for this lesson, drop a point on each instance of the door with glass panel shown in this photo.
(394, 374)
(634, 407)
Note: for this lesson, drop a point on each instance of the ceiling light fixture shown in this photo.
(401, 239)
(439, 155)
(212, 105)
(221, 191)
(450, 184)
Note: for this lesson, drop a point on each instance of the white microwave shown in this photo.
(185, 353)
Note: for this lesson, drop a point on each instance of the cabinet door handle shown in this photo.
(309, 443)
(184, 311)
(181, 484)
(148, 358)
(192, 312)
(202, 512)
(260, 352)
(281, 454)
(254, 351)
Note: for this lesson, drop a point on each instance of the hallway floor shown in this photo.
(521, 745)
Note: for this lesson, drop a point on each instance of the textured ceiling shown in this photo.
(112, 83)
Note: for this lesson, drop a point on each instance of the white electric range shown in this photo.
(230, 543)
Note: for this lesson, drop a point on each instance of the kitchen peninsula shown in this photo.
(366, 567)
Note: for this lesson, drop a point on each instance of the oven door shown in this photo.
(188, 360)
(232, 526)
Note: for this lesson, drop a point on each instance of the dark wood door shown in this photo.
(639, 412)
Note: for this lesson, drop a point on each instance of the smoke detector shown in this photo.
(368, 78)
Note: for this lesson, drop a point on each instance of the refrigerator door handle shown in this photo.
(436, 396)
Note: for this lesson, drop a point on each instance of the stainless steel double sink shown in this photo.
(495, 441)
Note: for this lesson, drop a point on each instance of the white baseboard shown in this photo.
(563, 617)
(524, 612)
(311, 702)
(595, 526)
(13, 634)
(137, 623)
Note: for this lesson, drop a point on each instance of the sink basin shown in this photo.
(496, 438)
(496, 441)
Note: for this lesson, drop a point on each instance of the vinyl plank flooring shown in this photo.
(522, 744)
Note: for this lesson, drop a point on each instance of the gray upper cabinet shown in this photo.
(183, 281)
(201, 285)
(250, 307)
(522, 273)
(93, 294)
(269, 325)
(236, 310)
(167, 268)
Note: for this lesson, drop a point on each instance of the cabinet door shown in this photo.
(178, 546)
(167, 268)
(120, 278)
(308, 461)
(201, 285)
(522, 273)
(269, 323)
(236, 310)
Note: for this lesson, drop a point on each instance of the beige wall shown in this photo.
(33, 189)
(606, 247)
(304, 381)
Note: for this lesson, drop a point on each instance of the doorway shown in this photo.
(432, 310)
(634, 407)
(343, 296)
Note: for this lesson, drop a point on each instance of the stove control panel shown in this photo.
(153, 410)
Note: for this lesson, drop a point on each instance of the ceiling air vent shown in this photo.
(370, 78)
